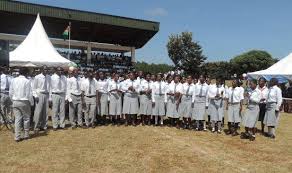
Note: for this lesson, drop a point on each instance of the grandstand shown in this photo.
(97, 40)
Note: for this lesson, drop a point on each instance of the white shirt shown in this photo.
(201, 90)
(189, 90)
(235, 95)
(140, 80)
(112, 85)
(129, 83)
(73, 87)
(41, 84)
(102, 85)
(264, 93)
(274, 95)
(5, 83)
(254, 96)
(58, 83)
(89, 87)
(213, 90)
(20, 89)
(159, 88)
(145, 85)
(174, 88)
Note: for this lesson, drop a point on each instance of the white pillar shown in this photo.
(133, 58)
(89, 53)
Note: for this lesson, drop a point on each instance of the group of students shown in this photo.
(136, 98)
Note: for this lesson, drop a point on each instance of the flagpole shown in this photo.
(69, 40)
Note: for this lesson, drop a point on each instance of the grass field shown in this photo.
(146, 149)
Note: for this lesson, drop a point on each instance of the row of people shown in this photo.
(147, 96)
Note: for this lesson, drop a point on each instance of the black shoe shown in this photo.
(93, 126)
(252, 138)
(244, 135)
(74, 127)
(55, 129)
(17, 140)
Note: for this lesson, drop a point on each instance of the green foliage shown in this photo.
(217, 69)
(185, 53)
(153, 68)
(253, 60)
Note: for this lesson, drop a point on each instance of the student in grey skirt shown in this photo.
(252, 111)
(145, 99)
(235, 96)
(173, 101)
(103, 97)
(200, 103)
(185, 108)
(115, 96)
(131, 104)
(159, 99)
(216, 93)
(274, 101)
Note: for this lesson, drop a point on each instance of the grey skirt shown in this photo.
(145, 105)
(199, 110)
(216, 109)
(131, 105)
(185, 107)
(251, 115)
(159, 107)
(115, 105)
(172, 108)
(103, 104)
(234, 113)
(271, 116)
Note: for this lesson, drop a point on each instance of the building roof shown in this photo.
(18, 17)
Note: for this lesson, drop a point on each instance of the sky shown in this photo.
(224, 28)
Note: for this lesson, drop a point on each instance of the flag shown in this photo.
(66, 32)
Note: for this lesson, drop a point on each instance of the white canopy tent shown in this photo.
(282, 70)
(37, 50)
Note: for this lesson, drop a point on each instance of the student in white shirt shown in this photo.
(173, 100)
(264, 92)
(235, 96)
(58, 94)
(216, 94)
(252, 111)
(200, 101)
(41, 90)
(185, 108)
(102, 107)
(145, 110)
(74, 99)
(158, 99)
(21, 95)
(89, 99)
(5, 102)
(274, 102)
(115, 96)
(131, 104)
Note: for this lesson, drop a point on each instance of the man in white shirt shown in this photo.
(102, 107)
(90, 99)
(41, 89)
(131, 105)
(74, 98)
(21, 95)
(58, 90)
(159, 99)
(235, 96)
(274, 102)
(5, 101)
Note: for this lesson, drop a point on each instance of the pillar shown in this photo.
(133, 58)
(88, 53)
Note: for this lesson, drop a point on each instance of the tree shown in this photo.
(217, 69)
(153, 68)
(253, 60)
(185, 53)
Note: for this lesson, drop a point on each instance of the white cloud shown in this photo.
(156, 12)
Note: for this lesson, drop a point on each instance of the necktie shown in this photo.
(232, 95)
(188, 90)
(45, 84)
(201, 91)
(7, 83)
(148, 85)
(269, 94)
(77, 85)
(90, 87)
(59, 84)
(217, 93)
(175, 88)
(160, 88)
(116, 85)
